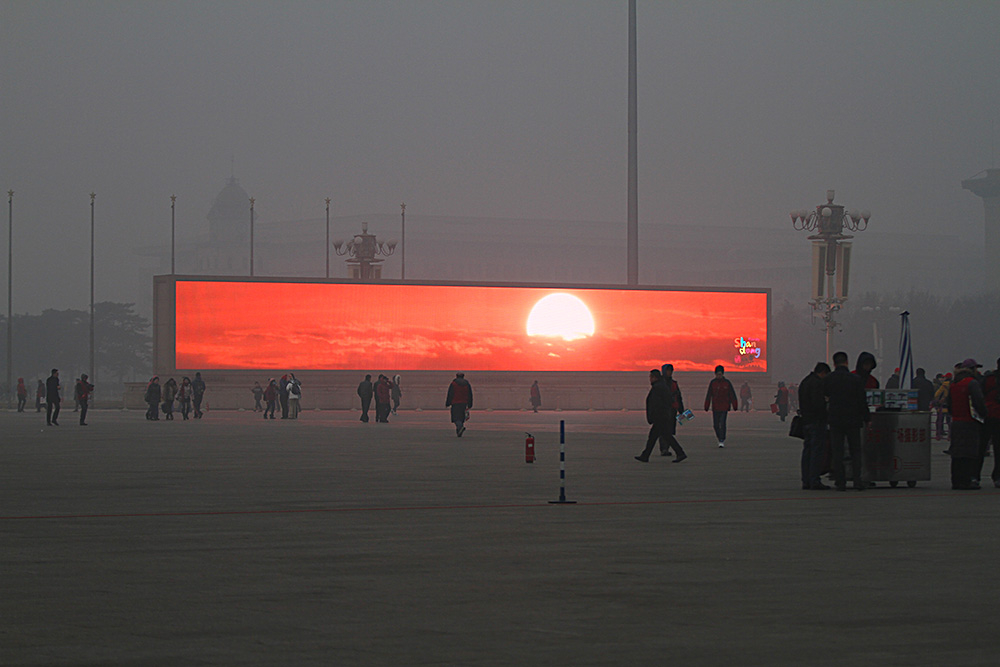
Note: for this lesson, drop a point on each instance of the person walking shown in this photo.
(258, 396)
(746, 397)
(52, 398)
(169, 392)
(812, 406)
(719, 398)
(781, 399)
(82, 394)
(365, 393)
(198, 394)
(270, 398)
(22, 394)
(396, 392)
(667, 371)
(460, 401)
(536, 396)
(965, 396)
(847, 413)
(39, 396)
(184, 397)
(661, 415)
(152, 398)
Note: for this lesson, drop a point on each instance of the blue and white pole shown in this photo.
(562, 468)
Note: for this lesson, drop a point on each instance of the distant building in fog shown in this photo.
(988, 188)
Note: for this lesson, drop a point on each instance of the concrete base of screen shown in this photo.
(337, 390)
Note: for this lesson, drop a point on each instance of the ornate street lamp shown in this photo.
(362, 251)
(831, 255)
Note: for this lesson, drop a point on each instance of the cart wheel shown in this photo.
(894, 484)
(912, 483)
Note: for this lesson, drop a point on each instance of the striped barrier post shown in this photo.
(562, 468)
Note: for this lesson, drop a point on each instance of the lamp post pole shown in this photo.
(93, 368)
(251, 237)
(633, 148)
(10, 292)
(402, 249)
(831, 255)
(173, 198)
(327, 237)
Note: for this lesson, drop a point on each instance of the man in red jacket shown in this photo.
(719, 398)
(460, 401)
(964, 396)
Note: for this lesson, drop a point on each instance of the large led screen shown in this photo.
(324, 326)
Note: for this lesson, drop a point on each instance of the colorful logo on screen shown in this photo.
(747, 350)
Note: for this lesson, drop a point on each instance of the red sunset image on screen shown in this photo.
(323, 326)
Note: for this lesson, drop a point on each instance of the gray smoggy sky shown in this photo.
(477, 108)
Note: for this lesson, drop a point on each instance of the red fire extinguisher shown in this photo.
(529, 448)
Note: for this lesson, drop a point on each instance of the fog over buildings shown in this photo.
(503, 128)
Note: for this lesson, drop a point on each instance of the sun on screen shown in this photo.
(561, 315)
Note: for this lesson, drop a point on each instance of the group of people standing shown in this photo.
(159, 398)
(834, 409)
(387, 394)
(285, 392)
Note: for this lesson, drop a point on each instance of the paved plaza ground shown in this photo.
(324, 541)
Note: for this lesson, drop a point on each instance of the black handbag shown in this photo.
(797, 428)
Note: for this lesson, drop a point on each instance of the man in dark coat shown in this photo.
(365, 392)
(283, 395)
(383, 394)
(847, 414)
(198, 393)
(52, 398)
(812, 405)
(925, 390)
(152, 398)
(661, 415)
(460, 401)
(719, 398)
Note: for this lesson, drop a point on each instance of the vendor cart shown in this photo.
(897, 447)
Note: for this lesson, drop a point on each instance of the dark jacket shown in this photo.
(848, 407)
(721, 395)
(660, 404)
(991, 394)
(52, 390)
(812, 400)
(365, 390)
(925, 392)
(198, 387)
(870, 381)
(459, 392)
(153, 393)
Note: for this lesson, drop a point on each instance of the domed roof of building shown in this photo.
(230, 213)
